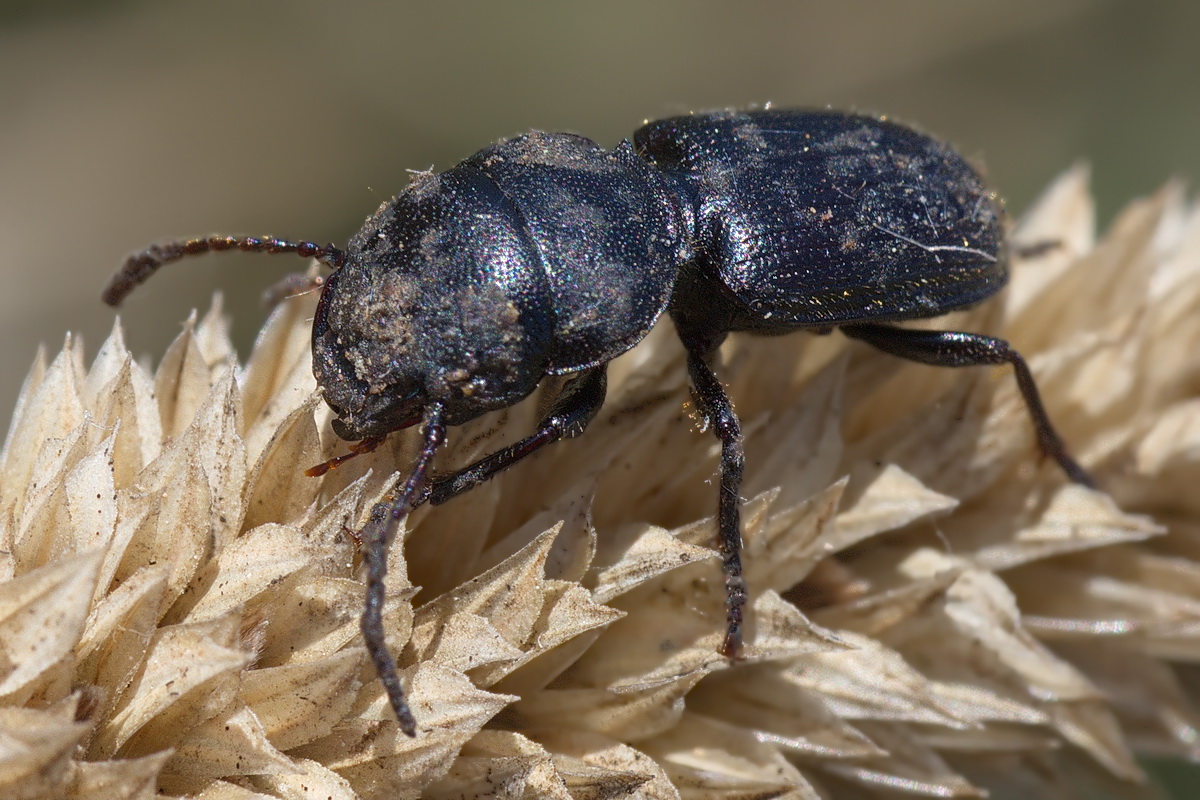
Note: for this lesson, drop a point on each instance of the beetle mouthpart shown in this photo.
(379, 417)
(365, 446)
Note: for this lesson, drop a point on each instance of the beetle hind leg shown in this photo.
(955, 349)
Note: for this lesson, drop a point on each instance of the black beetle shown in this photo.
(546, 254)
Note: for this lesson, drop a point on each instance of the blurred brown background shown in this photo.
(126, 122)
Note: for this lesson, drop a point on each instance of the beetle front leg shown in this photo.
(578, 404)
(714, 404)
(376, 537)
(955, 349)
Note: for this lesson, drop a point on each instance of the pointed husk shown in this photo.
(934, 610)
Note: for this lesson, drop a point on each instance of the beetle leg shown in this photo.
(574, 408)
(1031, 250)
(376, 537)
(713, 402)
(954, 349)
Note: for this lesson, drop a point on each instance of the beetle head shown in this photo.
(362, 358)
(433, 304)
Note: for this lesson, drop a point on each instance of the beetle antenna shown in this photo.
(377, 538)
(140, 266)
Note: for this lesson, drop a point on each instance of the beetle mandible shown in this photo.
(546, 254)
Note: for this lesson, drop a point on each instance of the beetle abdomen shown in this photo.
(810, 218)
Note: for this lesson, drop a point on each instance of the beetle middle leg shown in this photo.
(714, 404)
(955, 349)
(574, 408)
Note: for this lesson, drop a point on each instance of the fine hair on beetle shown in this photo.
(547, 254)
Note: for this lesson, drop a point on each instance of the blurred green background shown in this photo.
(126, 122)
